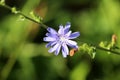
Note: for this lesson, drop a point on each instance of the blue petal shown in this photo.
(51, 30)
(71, 43)
(52, 35)
(68, 34)
(50, 44)
(49, 39)
(67, 27)
(57, 50)
(65, 50)
(74, 35)
(54, 48)
(61, 29)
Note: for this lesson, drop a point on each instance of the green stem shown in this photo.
(101, 48)
(12, 59)
(108, 50)
(44, 26)
(105, 49)
(20, 13)
(6, 70)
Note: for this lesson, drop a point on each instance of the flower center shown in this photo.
(62, 38)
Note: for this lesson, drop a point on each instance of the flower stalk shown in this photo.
(13, 10)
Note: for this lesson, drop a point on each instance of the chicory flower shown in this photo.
(61, 39)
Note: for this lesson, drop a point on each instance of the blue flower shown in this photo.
(61, 40)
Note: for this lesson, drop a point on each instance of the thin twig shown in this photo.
(20, 13)
(43, 25)
(12, 59)
(108, 50)
(100, 48)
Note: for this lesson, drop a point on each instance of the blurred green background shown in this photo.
(23, 55)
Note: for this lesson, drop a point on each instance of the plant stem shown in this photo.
(108, 50)
(45, 26)
(20, 13)
(98, 47)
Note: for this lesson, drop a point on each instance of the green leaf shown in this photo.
(91, 50)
